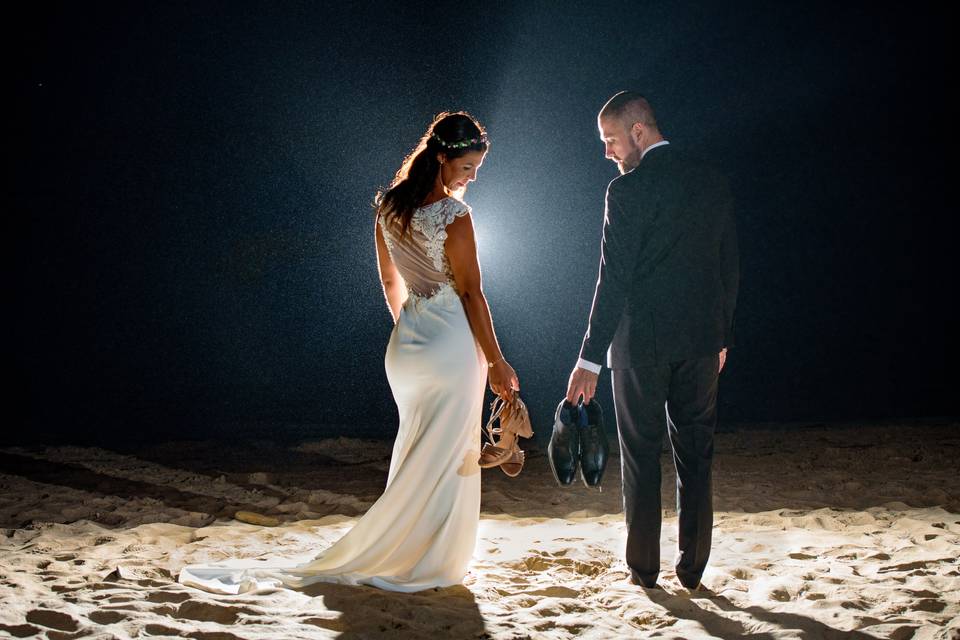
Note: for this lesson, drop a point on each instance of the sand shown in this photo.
(819, 533)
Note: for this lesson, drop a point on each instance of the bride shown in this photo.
(422, 531)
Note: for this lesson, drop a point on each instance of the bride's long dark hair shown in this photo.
(454, 134)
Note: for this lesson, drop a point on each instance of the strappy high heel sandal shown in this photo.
(491, 455)
(514, 464)
(515, 420)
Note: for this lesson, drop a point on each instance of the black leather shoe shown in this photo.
(564, 448)
(687, 581)
(594, 447)
(649, 582)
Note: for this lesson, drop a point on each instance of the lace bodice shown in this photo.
(420, 255)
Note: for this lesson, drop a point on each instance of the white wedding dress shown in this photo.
(422, 531)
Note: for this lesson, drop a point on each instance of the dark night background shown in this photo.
(192, 232)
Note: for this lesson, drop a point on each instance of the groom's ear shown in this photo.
(636, 132)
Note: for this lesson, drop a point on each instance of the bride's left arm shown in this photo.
(394, 288)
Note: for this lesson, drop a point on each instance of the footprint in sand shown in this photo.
(168, 597)
(40, 550)
(521, 603)
(742, 574)
(914, 566)
(147, 582)
(780, 595)
(160, 630)
(324, 623)
(548, 625)
(64, 588)
(106, 617)
(932, 605)
(121, 599)
(650, 620)
(52, 619)
(209, 612)
(903, 633)
(554, 592)
(539, 563)
(555, 609)
(20, 630)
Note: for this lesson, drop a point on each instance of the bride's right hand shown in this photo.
(503, 380)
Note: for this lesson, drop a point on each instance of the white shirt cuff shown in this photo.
(589, 366)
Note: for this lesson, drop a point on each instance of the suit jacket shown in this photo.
(669, 265)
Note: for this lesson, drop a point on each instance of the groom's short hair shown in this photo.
(629, 107)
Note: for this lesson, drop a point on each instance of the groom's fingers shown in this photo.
(582, 385)
(591, 390)
(571, 391)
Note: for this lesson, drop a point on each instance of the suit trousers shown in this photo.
(681, 399)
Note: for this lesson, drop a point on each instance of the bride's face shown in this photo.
(457, 173)
(619, 144)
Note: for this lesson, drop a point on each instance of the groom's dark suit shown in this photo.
(663, 309)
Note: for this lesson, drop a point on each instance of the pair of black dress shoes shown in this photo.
(578, 441)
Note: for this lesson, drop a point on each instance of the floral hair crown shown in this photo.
(459, 144)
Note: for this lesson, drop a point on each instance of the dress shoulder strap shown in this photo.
(453, 208)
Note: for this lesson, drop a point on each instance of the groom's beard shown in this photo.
(631, 161)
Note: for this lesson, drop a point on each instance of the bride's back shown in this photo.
(419, 255)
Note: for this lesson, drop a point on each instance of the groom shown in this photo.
(663, 314)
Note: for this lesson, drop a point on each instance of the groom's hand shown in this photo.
(723, 358)
(582, 383)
